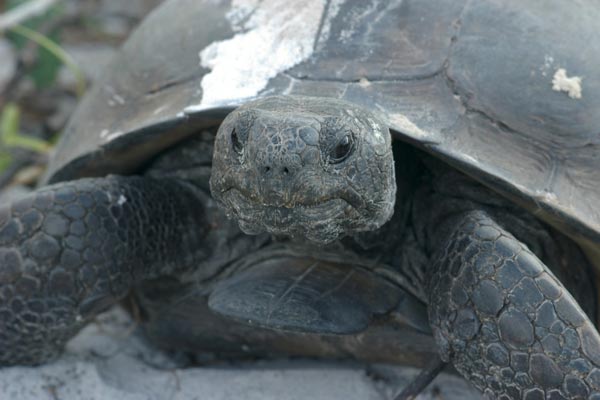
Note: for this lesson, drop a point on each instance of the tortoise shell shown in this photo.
(506, 91)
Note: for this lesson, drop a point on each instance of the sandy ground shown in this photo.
(108, 360)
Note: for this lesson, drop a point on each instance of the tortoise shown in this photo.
(385, 176)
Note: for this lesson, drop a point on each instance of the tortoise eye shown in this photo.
(236, 143)
(342, 150)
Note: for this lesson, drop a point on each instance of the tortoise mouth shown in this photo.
(320, 221)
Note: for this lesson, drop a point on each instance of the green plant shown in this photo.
(10, 137)
(43, 71)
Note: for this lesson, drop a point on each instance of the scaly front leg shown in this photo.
(505, 321)
(70, 250)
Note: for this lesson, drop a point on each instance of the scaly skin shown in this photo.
(506, 323)
(70, 250)
(293, 166)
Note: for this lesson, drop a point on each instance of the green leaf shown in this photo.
(56, 51)
(5, 160)
(9, 120)
(46, 67)
(9, 131)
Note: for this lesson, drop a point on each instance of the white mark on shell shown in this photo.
(563, 83)
(401, 123)
(119, 99)
(470, 158)
(122, 200)
(548, 64)
(159, 110)
(110, 136)
(272, 36)
(115, 98)
(364, 83)
(545, 196)
(334, 8)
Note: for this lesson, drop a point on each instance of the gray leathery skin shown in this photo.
(280, 149)
(70, 250)
(504, 320)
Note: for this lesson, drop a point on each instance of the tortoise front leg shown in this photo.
(503, 319)
(70, 250)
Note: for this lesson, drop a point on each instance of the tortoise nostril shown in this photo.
(268, 170)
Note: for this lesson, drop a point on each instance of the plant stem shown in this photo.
(55, 50)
